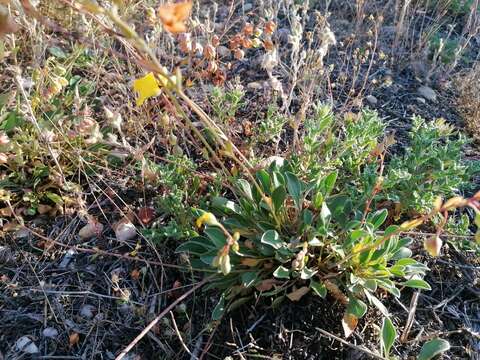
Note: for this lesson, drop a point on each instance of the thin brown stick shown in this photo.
(411, 317)
(97, 251)
(353, 346)
(161, 315)
(180, 337)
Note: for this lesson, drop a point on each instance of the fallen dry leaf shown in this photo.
(349, 323)
(146, 215)
(73, 339)
(266, 285)
(173, 16)
(299, 293)
(7, 25)
(135, 274)
(250, 262)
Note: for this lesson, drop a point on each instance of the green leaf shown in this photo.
(417, 284)
(245, 188)
(356, 307)
(216, 235)
(328, 183)
(57, 199)
(219, 309)
(282, 273)
(264, 179)
(318, 288)
(377, 303)
(278, 197)
(403, 252)
(406, 261)
(307, 217)
(433, 348)
(389, 334)
(57, 52)
(239, 302)
(294, 188)
(325, 214)
(271, 237)
(12, 121)
(307, 273)
(248, 278)
(378, 218)
(194, 247)
(225, 205)
(392, 229)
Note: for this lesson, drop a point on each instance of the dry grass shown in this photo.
(469, 99)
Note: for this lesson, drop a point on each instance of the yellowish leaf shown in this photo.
(146, 87)
(433, 245)
(408, 225)
(454, 203)
(250, 262)
(349, 323)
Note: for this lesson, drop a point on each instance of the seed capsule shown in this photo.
(225, 265)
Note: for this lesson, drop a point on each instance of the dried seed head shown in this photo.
(268, 44)
(239, 54)
(247, 43)
(235, 246)
(235, 42)
(256, 43)
(215, 40)
(165, 121)
(270, 27)
(185, 46)
(209, 52)
(212, 67)
(216, 261)
(197, 48)
(248, 29)
(225, 264)
(151, 15)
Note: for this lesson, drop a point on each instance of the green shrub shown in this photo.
(298, 237)
(307, 225)
(431, 166)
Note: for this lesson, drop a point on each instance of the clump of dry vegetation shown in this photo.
(183, 179)
(469, 100)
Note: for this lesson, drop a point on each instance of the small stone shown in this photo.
(254, 85)
(26, 345)
(372, 100)
(420, 100)
(283, 35)
(90, 230)
(125, 230)
(427, 93)
(50, 332)
(86, 311)
(247, 7)
(22, 233)
(223, 51)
